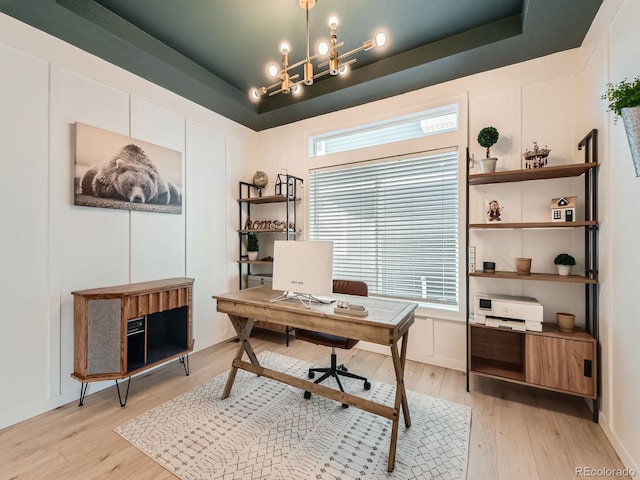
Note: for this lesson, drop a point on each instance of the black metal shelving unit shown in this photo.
(589, 144)
(286, 192)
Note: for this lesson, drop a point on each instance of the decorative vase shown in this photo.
(523, 266)
(488, 165)
(631, 118)
(252, 255)
(564, 270)
(566, 321)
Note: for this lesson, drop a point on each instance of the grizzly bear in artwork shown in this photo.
(130, 176)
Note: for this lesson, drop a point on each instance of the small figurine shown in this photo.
(493, 213)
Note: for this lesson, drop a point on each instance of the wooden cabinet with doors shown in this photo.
(122, 330)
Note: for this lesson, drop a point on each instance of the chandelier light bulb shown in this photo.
(343, 70)
(273, 70)
(284, 48)
(333, 23)
(323, 48)
(254, 94)
(296, 89)
(381, 39)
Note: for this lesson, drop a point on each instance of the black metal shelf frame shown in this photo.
(590, 146)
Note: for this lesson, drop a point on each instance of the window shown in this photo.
(430, 122)
(394, 224)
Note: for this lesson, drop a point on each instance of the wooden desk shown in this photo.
(387, 323)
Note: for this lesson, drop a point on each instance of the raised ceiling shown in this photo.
(213, 51)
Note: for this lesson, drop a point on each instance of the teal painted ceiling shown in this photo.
(213, 51)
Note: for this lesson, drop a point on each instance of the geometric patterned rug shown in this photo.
(267, 430)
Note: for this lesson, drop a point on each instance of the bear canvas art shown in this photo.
(115, 171)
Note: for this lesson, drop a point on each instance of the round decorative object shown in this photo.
(523, 266)
(260, 179)
(566, 321)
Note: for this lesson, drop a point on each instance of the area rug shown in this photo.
(267, 430)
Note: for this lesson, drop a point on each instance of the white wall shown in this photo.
(611, 53)
(49, 247)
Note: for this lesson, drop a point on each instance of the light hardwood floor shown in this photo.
(516, 432)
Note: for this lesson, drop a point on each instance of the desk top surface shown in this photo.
(391, 316)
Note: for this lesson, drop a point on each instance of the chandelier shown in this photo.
(334, 63)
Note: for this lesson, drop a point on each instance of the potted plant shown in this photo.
(564, 261)
(624, 101)
(252, 246)
(488, 137)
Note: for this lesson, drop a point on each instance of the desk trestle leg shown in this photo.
(243, 327)
(401, 403)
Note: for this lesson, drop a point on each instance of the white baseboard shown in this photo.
(617, 445)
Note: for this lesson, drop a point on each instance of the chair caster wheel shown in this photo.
(307, 395)
(311, 375)
(343, 368)
(367, 385)
(344, 405)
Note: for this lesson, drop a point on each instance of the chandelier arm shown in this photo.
(355, 50)
(273, 85)
(275, 92)
(321, 74)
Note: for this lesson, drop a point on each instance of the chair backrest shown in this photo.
(351, 287)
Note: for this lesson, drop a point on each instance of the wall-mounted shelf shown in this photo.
(544, 173)
(267, 198)
(499, 225)
(545, 277)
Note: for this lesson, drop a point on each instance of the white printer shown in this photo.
(504, 311)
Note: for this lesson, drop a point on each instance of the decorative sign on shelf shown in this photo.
(267, 225)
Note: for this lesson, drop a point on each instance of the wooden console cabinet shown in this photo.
(563, 362)
(123, 330)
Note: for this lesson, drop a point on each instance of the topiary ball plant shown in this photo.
(488, 137)
(564, 259)
(252, 243)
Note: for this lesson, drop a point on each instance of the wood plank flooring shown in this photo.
(516, 431)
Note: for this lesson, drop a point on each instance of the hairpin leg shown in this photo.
(122, 404)
(83, 392)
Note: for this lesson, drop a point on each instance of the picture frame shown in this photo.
(117, 171)
(493, 210)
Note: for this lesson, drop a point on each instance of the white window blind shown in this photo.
(394, 224)
(430, 122)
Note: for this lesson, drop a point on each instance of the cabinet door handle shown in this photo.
(588, 368)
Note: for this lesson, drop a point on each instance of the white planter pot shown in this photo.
(252, 255)
(488, 165)
(631, 119)
(564, 269)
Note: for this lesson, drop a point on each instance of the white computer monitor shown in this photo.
(303, 267)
